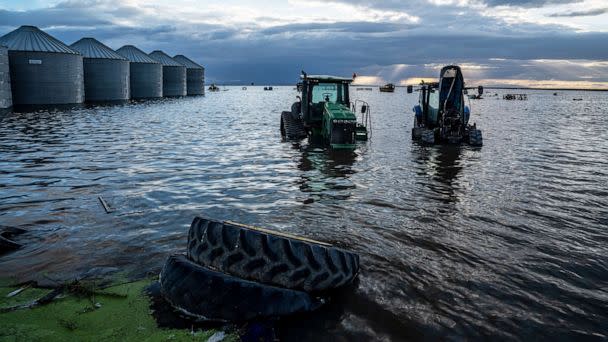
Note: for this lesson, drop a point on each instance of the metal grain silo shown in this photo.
(174, 74)
(6, 101)
(195, 75)
(146, 78)
(44, 71)
(106, 73)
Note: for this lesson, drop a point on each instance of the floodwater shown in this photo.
(509, 241)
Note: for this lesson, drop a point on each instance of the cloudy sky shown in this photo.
(543, 43)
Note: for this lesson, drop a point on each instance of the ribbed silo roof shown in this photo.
(92, 48)
(163, 58)
(31, 38)
(187, 62)
(135, 55)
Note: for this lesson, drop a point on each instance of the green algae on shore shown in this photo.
(121, 312)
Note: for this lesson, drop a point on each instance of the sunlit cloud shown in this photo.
(368, 80)
(544, 84)
(416, 80)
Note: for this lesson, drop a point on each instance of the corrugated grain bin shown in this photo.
(174, 74)
(195, 75)
(6, 99)
(106, 73)
(146, 78)
(44, 71)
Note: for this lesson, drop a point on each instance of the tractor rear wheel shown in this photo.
(475, 137)
(283, 133)
(416, 131)
(292, 128)
(270, 257)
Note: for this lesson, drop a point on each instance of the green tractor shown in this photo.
(324, 114)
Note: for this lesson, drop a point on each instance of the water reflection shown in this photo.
(439, 168)
(325, 173)
(507, 242)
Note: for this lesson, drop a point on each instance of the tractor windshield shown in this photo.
(329, 92)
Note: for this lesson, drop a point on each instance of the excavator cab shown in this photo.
(441, 115)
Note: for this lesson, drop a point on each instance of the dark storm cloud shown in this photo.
(51, 17)
(247, 53)
(587, 13)
(279, 60)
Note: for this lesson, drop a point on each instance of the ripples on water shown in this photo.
(508, 241)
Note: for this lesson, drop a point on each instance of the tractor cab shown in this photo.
(324, 113)
(320, 90)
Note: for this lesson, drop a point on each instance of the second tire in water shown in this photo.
(210, 295)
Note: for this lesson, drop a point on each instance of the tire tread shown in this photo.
(270, 259)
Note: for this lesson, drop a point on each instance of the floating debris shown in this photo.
(387, 88)
(6, 242)
(520, 97)
(105, 205)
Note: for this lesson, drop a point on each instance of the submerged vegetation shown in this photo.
(79, 312)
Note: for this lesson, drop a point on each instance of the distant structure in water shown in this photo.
(6, 99)
(44, 71)
(146, 74)
(174, 74)
(195, 75)
(106, 73)
(520, 97)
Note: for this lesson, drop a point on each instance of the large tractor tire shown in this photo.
(292, 128)
(296, 109)
(209, 295)
(475, 137)
(270, 257)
